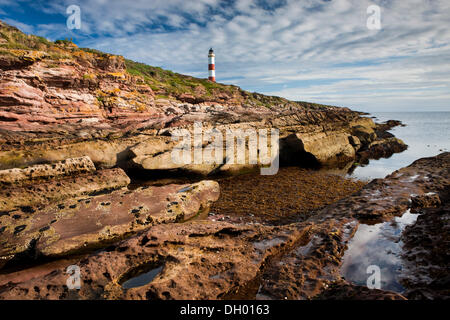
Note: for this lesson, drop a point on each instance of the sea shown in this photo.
(426, 133)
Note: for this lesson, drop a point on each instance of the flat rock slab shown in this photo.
(312, 266)
(91, 221)
(61, 168)
(38, 193)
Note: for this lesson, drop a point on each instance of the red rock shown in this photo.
(40, 193)
(200, 261)
(92, 221)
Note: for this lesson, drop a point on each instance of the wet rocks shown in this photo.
(87, 222)
(381, 148)
(198, 260)
(208, 259)
(382, 129)
(42, 184)
(365, 134)
(355, 142)
(426, 253)
(424, 188)
(426, 200)
(327, 147)
(374, 141)
(311, 266)
(384, 198)
(204, 259)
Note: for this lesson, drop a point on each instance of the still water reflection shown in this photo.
(379, 245)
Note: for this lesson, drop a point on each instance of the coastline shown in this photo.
(88, 182)
(211, 249)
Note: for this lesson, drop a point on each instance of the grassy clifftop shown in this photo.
(14, 44)
(170, 84)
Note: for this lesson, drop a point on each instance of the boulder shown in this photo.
(418, 184)
(365, 134)
(328, 146)
(425, 253)
(355, 142)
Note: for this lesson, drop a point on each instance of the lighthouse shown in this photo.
(211, 66)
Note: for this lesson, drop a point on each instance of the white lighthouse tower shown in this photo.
(211, 66)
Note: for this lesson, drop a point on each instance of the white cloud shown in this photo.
(22, 26)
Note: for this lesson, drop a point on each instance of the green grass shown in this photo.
(94, 51)
(64, 42)
(168, 83)
(18, 40)
(161, 96)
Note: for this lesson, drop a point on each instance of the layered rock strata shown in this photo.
(58, 101)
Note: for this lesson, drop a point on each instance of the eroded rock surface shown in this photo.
(199, 261)
(18, 176)
(86, 222)
(208, 259)
(35, 194)
(426, 256)
(311, 267)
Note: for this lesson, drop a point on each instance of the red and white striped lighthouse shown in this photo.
(211, 66)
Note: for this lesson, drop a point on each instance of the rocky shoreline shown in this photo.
(80, 132)
(211, 259)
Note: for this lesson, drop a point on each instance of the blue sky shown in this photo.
(313, 50)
